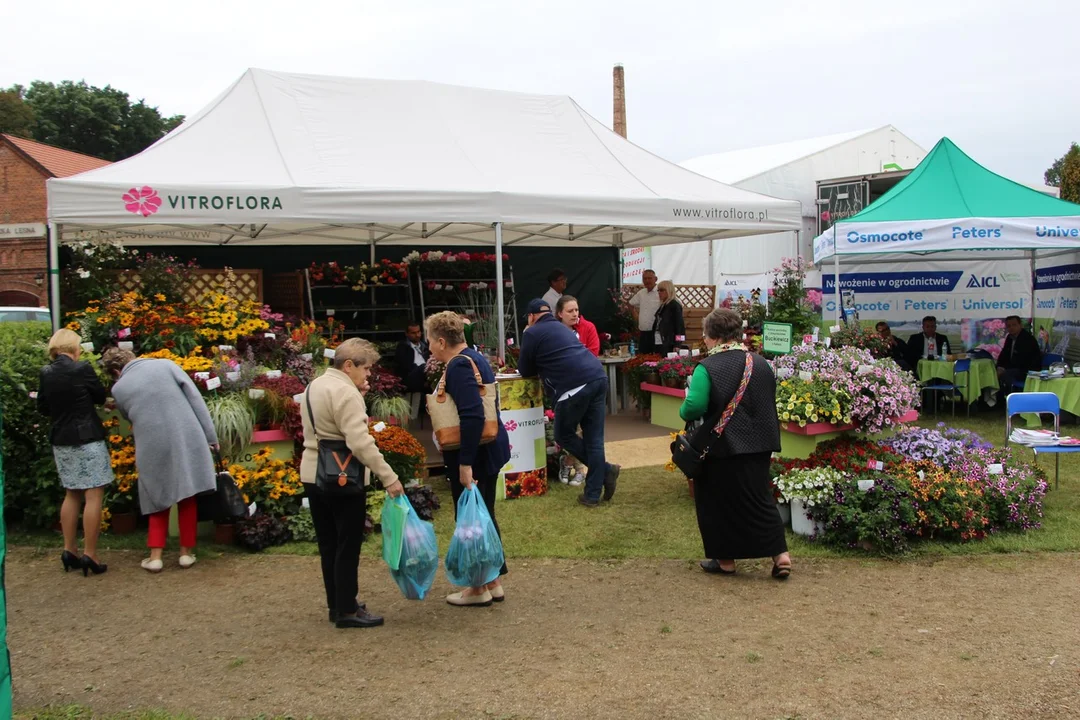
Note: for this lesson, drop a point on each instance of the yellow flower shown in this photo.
(159, 297)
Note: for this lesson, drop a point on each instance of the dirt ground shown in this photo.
(995, 637)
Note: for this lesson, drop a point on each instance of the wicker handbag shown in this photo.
(444, 413)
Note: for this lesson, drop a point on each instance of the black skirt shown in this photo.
(736, 510)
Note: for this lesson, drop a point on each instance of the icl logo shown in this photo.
(989, 281)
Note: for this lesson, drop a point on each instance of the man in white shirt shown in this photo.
(556, 287)
(644, 304)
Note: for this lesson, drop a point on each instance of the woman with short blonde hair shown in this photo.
(68, 390)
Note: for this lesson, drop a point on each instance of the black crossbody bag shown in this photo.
(683, 453)
(337, 471)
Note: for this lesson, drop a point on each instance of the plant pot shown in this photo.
(785, 512)
(800, 523)
(671, 382)
(690, 486)
(123, 523)
(651, 378)
(225, 534)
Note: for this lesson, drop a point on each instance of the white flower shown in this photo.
(83, 273)
(89, 251)
(449, 258)
(435, 255)
(412, 257)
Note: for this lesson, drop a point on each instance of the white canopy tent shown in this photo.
(282, 158)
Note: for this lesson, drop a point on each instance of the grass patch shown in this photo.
(753, 657)
(652, 516)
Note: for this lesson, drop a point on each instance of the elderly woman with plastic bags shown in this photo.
(474, 463)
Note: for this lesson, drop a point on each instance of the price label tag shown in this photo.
(232, 376)
(126, 332)
(805, 376)
(784, 373)
(87, 347)
(297, 398)
(673, 355)
(256, 393)
(126, 345)
(379, 426)
(808, 339)
(328, 353)
(202, 376)
(273, 374)
(815, 334)
(252, 508)
(995, 468)
(33, 394)
(213, 383)
(745, 324)
(306, 356)
(834, 329)
(270, 336)
(875, 465)
(510, 342)
(828, 342)
(922, 475)
(684, 353)
(225, 348)
(865, 485)
(695, 353)
(330, 313)
(864, 370)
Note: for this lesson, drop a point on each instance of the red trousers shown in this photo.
(188, 517)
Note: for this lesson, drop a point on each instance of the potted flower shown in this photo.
(673, 372)
(651, 376)
(121, 496)
(805, 488)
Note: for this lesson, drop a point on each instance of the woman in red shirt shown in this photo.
(566, 310)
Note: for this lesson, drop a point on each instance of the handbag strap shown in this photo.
(440, 392)
(311, 415)
(732, 405)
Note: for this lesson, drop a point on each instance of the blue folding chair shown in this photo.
(953, 388)
(1038, 403)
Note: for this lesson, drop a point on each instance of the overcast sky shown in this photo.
(999, 78)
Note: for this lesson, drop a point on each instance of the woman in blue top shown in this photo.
(473, 463)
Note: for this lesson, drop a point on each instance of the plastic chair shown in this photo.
(1038, 403)
(954, 389)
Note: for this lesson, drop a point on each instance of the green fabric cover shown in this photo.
(983, 376)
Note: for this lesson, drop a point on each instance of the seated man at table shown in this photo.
(1019, 355)
(578, 385)
(897, 347)
(928, 344)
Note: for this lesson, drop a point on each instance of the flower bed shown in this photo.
(917, 485)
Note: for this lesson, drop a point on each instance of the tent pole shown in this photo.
(836, 283)
(501, 309)
(54, 274)
(1032, 306)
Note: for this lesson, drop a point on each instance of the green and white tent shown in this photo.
(952, 203)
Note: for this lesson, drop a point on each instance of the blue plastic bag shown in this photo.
(476, 552)
(419, 557)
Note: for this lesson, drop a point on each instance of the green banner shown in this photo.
(776, 338)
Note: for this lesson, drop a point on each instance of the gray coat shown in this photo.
(173, 432)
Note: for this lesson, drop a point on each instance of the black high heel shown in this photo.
(70, 560)
(88, 566)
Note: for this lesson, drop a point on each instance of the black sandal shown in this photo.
(713, 566)
(781, 572)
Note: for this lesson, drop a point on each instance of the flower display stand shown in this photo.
(665, 404)
(800, 442)
(280, 443)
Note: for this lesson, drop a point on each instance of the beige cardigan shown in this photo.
(340, 414)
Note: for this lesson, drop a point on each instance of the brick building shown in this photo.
(25, 165)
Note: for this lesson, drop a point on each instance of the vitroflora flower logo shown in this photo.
(142, 201)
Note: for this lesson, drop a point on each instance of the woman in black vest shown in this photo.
(68, 390)
(669, 330)
(736, 511)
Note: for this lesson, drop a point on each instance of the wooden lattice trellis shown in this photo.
(248, 286)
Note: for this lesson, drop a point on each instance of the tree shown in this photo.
(1070, 175)
(101, 122)
(1052, 176)
(16, 116)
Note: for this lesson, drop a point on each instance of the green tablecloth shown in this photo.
(1067, 389)
(982, 376)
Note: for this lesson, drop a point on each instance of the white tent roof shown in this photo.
(285, 158)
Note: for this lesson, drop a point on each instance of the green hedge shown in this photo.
(32, 491)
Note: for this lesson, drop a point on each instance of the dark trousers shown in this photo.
(339, 530)
(646, 342)
(587, 408)
(1011, 376)
(486, 485)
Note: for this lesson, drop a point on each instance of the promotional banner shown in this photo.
(969, 299)
(839, 201)
(521, 406)
(635, 261)
(733, 287)
(1057, 304)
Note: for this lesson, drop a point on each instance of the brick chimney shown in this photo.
(619, 116)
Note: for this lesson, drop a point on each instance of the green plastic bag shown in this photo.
(394, 512)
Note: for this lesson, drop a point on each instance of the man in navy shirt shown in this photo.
(577, 382)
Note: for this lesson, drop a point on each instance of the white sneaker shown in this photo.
(578, 480)
(153, 566)
(187, 561)
(564, 474)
